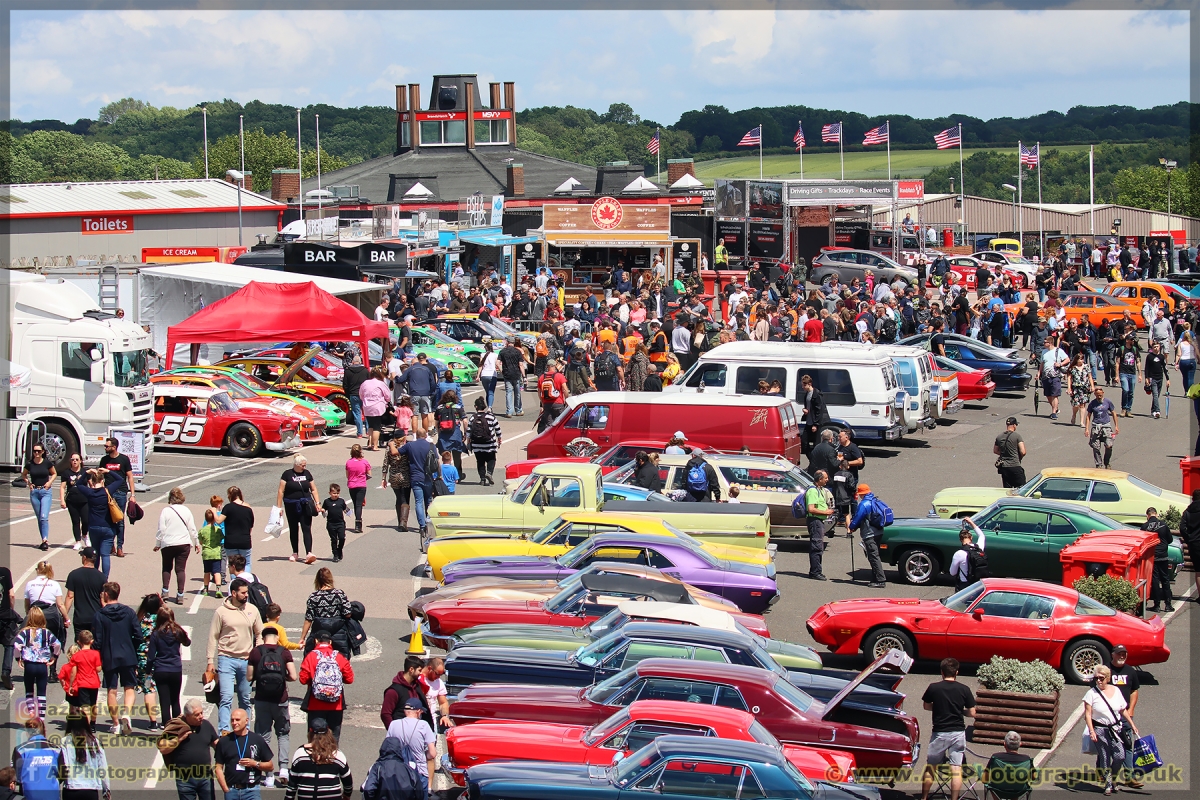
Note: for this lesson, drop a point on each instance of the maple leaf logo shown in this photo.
(607, 212)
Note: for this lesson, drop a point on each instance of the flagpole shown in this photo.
(801, 162)
(1020, 205)
(889, 146)
(242, 142)
(1041, 229)
(658, 154)
(1092, 192)
(841, 156)
(760, 135)
(205, 110)
(300, 165)
(962, 185)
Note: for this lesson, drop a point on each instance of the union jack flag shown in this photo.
(951, 137)
(653, 146)
(831, 132)
(799, 137)
(1029, 156)
(752, 137)
(876, 135)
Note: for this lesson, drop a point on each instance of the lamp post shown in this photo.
(1012, 189)
(1170, 167)
(237, 178)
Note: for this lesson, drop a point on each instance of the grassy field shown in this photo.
(859, 165)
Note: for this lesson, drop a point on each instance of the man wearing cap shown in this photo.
(865, 521)
(420, 745)
(84, 584)
(675, 447)
(816, 514)
(1010, 448)
(1128, 682)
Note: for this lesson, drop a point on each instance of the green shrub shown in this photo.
(1172, 516)
(1025, 677)
(1113, 592)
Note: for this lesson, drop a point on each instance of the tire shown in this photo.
(474, 358)
(244, 440)
(919, 566)
(880, 641)
(60, 443)
(1081, 657)
(340, 400)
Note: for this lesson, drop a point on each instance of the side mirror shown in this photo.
(977, 613)
(618, 757)
(96, 370)
(1037, 495)
(95, 354)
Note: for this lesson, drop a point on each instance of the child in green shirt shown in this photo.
(212, 540)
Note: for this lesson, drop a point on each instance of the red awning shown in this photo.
(273, 312)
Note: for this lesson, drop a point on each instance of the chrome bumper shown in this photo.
(285, 443)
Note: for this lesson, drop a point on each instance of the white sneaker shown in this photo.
(269, 781)
(126, 727)
(79, 545)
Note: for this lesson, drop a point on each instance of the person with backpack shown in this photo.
(269, 669)
(406, 684)
(320, 771)
(448, 417)
(236, 629)
(36, 648)
(969, 563)
(844, 485)
(870, 518)
(484, 438)
(39, 763)
(420, 745)
(553, 392)
(391, 776)
(118, 634)
(579, 374)
(326, 674)
(816, 512)
(607, 369)
(701, 479)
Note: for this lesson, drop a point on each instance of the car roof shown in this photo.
(1083, 472)
(1026, 585)
(634, 584)
(708, 746)
(609, 518)
(182, 390)
(714, 671)
(681, 399)
(688, 634)
(699, 616)
(1049, 505)
(797, 351)
(678, 710)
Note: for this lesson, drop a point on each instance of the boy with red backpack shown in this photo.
(325, 672)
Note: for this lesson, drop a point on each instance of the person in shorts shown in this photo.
(951, 703)
(1053, 361)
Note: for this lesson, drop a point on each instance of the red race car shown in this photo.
(973, 384)
(207, 419)
(1008, 617)
(573, 607)
(875, 736)
(624, 732)
(610, 460)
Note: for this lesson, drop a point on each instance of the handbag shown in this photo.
(1124, 732)
(114, 511)
(1145, 754)
(212, 687)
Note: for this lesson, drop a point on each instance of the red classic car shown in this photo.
(1009, 617)
(875, 736)
(206, 419)
(973, 384)
(580, 603)
(610, 460)
(624, 732)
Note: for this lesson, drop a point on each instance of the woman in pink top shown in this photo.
(637, 314)
(376, 397)
(358, 472)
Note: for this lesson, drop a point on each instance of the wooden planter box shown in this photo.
(1034, 716)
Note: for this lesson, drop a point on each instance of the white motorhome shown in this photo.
(89, 368)
(859, 383)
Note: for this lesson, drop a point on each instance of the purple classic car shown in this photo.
(750, 586)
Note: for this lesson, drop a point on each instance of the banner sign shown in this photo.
(910, 190)
(765, 240)
(733, 233)
(497, 210)
(325, 228)
(426, 223)
(683, 257)
(379, 254)
(91, 226)
(526, 258)
(840, 192)
(131, 443)
(607, 215)
(474, 211)
(766, 199)
(730, 198)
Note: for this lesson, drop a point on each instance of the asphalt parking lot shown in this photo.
(382, 566)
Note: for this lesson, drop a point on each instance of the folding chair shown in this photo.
(1008, 780)
(971, 774)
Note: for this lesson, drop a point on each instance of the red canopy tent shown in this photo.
(272, 312)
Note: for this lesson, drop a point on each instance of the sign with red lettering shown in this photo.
(910, 190)
(122, 223)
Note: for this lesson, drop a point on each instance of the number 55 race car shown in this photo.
(201, 418)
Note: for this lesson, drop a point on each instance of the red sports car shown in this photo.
(207, 419)
(1008, 617)
(624, 732)
(610, 460)
(579, 604)
(973, 384)
(876, 736)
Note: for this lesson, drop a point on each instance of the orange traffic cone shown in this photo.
(416, 647)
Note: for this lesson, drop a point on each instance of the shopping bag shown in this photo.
(274, 526)
(212, 687)
(1145, 754)
(1089, 747)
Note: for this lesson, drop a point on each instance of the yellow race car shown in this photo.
(565, 532)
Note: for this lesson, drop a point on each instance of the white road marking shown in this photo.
(195, 606)
(185, 651)
(508, 439)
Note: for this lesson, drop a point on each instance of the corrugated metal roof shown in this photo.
(122, 197)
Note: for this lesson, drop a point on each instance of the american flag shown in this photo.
(948, 138)
(653, 146)
(831, 132)
(1029, 156)
(799, 137)
(752, 137)
(876, 135)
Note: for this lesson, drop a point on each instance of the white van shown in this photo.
(860, 383)
(920, 377)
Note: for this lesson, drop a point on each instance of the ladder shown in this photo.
(110, 288)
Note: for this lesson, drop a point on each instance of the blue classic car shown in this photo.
(1009, 370)
(682, 767)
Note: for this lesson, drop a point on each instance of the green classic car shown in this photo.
(223, 377)
(1114, 494)
(1023, 538)
(424, 336)
(556, 637)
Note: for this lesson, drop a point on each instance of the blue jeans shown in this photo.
(236, 552)
(102, 541)
(119, 527)
(1187, 370)
(252, 793)
(489, 388)
(1156, 385)
(1128, 384)
(40, 500)
(356, 412)
(194, 788)
(422, 496)
(512, 389)
(229, 670)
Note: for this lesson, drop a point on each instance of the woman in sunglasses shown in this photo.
(39, 477)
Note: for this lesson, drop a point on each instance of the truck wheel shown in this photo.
(919, 566)
(340, 400)
(1081, 658)
(244, 440)
(60, 443)
(880, 642)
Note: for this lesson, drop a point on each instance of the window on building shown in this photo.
(452, 131)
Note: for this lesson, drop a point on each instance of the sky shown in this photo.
(922, 63)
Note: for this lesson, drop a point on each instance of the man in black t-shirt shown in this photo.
(84, 584)
(951, 702)
(119, 482)
(937, 342)
(190, 761)
(850, 452)
(270, 693)
(241, 757)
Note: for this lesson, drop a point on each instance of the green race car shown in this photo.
(430, 336)
(237, 383)
(448, 351)
(1022, 539)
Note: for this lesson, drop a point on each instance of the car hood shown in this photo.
(908, 606)
(501, 566)
(546, 637)
(949, 526)
(791, 656)
(500, 590)
(543, 773)
(744, 568)
(972, 496)
(509, 655)
(824, 790)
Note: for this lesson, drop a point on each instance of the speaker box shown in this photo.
(447, 98)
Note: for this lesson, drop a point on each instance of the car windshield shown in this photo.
(961, 600)
(440, 337)
(591, 655)
(130, 368)
(521, 494)
(637, 763)
(223, 401)
(565, 600)
(763, 736)
(1016, 259)
(609, 622)
(236, 390)
(250, 380)
(502, 326)
(547, 532)
(602, 692)
(599, 733)
(1145, 487)
(1027, 489)
(795, 697)
(799, 778)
